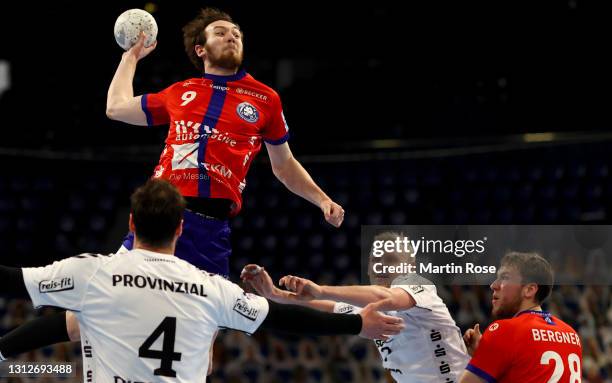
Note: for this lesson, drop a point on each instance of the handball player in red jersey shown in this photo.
(218, 122)
(524, 344)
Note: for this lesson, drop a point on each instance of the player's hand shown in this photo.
(376, 325)
(471, 338)
(259, 278)
(333, 213)
(139, 51)
(303, 289)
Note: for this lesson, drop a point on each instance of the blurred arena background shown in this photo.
(427, 113)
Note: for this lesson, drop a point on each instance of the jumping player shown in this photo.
(218, 123)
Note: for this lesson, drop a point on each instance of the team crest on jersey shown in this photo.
(494, 327)
(247, 112)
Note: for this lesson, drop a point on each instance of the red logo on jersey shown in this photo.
(494, 327)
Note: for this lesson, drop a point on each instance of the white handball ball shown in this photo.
(129, 25)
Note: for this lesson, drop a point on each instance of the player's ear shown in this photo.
(530, 290)
(179, 229)
(131, 225)
(200, 51)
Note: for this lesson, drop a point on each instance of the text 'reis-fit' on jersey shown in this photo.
(430, 348)
(217, 124)
(534, 346)
(144, 316)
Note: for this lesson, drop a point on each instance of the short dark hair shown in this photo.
(193, 32)
(157, 210)
(533, 269)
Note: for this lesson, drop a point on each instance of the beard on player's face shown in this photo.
(508, 307)
(225, 57)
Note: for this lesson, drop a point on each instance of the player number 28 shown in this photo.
(573, 362)
(188, 96)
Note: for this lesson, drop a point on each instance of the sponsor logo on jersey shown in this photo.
(416, 289)
(380, 343)
(185, 156)
(494, 327)
(189, 130)
(55, 285)
(242, 307)
(345, 310)
(217, 168)
(159, 171)
(220, 87)
(248, 112)
(141, 282)
(251, 93)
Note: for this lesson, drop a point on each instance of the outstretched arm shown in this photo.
(293, 175)
(121, 105)
(40, 332)
(369, 323)
(259, 278)
(37, 333)
(393, 298)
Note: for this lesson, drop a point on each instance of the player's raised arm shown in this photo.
(293, 175)
(121, 105)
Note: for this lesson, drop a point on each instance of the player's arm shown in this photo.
(121, 105)
(36, 333)
(494, 355)
(298, 320)
(293, 175)
(259, 278)
(469, 377)
(248, 312)
(391, 298)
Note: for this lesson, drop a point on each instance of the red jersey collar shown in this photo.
(233, 77)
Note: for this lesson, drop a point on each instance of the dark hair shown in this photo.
(193, 32)
(533, 269)
(157, 211)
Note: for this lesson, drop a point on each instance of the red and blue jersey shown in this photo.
(217, 125)
(532, 347)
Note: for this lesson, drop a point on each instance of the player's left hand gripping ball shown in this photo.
(334, 213)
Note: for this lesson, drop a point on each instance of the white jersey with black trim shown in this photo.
(144, 316)
(430, 348)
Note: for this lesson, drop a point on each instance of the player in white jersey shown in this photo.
(148, 316)
(429, 349)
